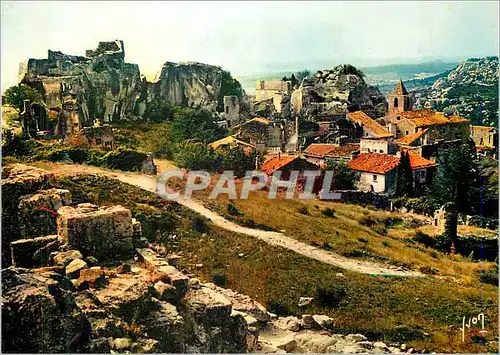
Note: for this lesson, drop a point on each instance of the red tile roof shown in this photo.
(419, 162)
(383, 163)
(425, 118)
(374, 163)
(277, 162)
(409, 139)
(370, 124)
(321, 150)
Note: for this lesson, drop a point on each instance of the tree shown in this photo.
(457, 179)
(15, 96)
(404, 177)
(195, 123)
(302, 74)
(159, 111)
(229, 87)
(237, 159)
(344, 178)
(196, 156)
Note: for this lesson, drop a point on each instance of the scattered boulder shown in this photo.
(95, 277)
(323, 321)
(165, 292)
(63, 258)
(122, 343)
(39, 315)
(73, 269)
(38, 212)
(105, 233)
(305, 301)
(123, 268)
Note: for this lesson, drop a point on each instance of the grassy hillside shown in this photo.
(422, 312)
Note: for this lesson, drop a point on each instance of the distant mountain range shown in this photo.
(470, 90)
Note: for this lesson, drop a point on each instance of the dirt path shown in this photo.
(273, 238)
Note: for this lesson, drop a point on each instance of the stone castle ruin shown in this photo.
(101, 85)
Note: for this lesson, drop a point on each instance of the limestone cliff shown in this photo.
(104, 86)
(332, 93)
(193, 84)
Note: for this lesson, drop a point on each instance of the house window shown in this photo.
(398, 118)
(396, 102)
(98, 141)
(489, 139)
(380, 151)
(227, 109)
(407, 132)
(374, 177)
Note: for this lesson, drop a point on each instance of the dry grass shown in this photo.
(374, 306)
(344, 234)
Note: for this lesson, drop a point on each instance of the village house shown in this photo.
(266, 135)
(287, 163)
(275, 90)
(374, 138)
(486, 140)
(377, 172)
(319, 154)
(232, 142)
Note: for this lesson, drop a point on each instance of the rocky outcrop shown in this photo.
(470, 90)
(104, 86)
(101, 85)
(193, 84)
(332, 93)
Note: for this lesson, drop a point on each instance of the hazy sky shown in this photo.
(249, 37)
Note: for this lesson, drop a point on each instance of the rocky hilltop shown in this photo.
(105, 87)
(191, 84)
(470, 90)
(331, 93)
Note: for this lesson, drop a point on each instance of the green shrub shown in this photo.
(75, 155)
(405, 333)
(363, 240)
(220, 280)
(124, 159)
(489, 276)
(303, 210)
(15, 145)
(385, 243)
(367, 221)
(233, 210)
(424, 239)
(328, 212)
(379, 228)
(330, 296)
(428, 270)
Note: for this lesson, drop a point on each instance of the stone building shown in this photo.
(319, 154)
(231, 112)
(276, 90)
(486, 139)
(69, 120)
(400, 99)
(377, 172)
